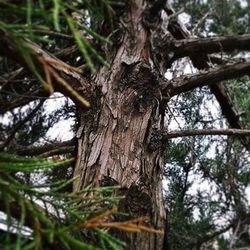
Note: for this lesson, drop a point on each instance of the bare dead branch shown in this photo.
(175, 27)
(189, 47)
(201, 21)
(176, 14)
(58, 151)
(20, 125)
(9, 77)
(222, 73)
(71, 52)
(54, 34)
(22, 100)
(182, 133)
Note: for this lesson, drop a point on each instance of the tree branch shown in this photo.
(20, 124)
(19, 74)
(211, 236)
(16, 211)
(157, 7)
(201, 21)
(45, 150)
(200, 61)
(184, 84)
(228, 110)
(189, 47)
(181, 133)
(53, 73)
(22, 100)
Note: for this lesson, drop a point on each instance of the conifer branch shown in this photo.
(65, 78)
(20, 125)
(22, 99)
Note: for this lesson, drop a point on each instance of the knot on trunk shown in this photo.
(150, 20)
(138, 75)
(143, 85)
(156, 140)
(107, 181)
(136, 202)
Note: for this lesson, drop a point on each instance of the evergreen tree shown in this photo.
(136, 114)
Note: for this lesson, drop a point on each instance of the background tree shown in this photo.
(111, 59)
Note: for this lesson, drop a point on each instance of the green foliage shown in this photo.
(37, 215)
(206, 179)
(240, 90)
(225, 17)
(43, 21)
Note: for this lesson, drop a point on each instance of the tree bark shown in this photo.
(114, 135)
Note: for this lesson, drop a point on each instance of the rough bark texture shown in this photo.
(113, 145)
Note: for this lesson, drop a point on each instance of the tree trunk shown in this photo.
(114, 136)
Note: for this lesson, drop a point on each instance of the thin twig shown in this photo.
(181, 133)
(20, 124)
(201, 21)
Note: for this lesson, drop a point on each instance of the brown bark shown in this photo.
(113, 139)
